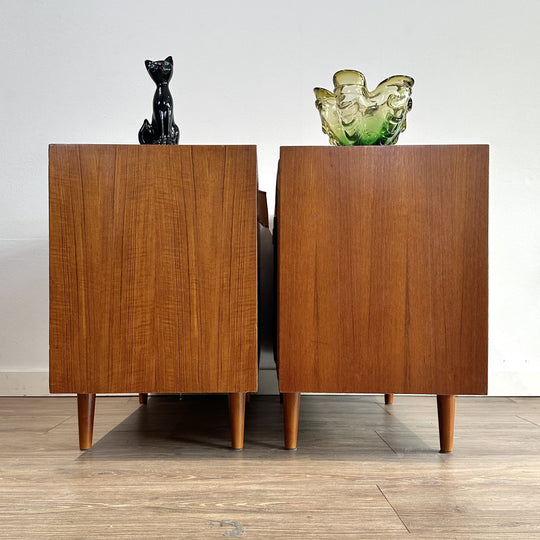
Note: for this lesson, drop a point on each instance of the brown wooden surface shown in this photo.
(153, 279)
(237, 413)
(383, 269)
(446, 412)
(291, 413)
(262, 209)
(86, 407)
(362, 470)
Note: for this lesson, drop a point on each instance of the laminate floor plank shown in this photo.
(362, 470)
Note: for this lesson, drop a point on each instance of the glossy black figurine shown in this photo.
(162, 130)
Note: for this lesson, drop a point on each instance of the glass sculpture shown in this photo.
(352, 115)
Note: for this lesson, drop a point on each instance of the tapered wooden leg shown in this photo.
(388, 399)
(237, 414)
(86, 405)
(143, 399)
(446, 408)
(291, 412)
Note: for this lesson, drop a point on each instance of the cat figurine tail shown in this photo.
(146, 133)
(162, 130)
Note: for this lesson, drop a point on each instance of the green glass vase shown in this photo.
(351, 115)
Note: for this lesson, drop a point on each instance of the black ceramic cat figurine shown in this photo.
(162, 130)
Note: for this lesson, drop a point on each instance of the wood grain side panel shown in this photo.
(223, 270)
(153, 269)
(383, 269)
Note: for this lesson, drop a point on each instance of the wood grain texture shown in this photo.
(446, 409)
(291, 414)
(383, 269)
(362, 470)
(262, 209)
(153, 268)
(237, 413)
(86, 407)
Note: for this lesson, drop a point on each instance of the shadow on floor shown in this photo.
(331, 428)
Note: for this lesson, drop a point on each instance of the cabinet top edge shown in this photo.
(383, 147)
(96, 145)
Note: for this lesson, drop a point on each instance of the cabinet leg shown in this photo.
(143, 399)
(446, 408)
(237, 414)
(388, 399)
(291, 412)
(86, 405)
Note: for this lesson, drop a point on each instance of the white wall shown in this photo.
(244, 72)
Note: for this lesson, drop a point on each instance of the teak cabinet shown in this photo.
(382, 274)
(153, 273)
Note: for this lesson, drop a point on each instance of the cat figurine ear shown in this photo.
(147, 63)
(169, 59)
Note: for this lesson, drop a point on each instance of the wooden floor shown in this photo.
(362, 470)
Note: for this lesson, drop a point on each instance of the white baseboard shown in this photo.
(36, 383)
(514, 383)
(24, 383)
(501, 383)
